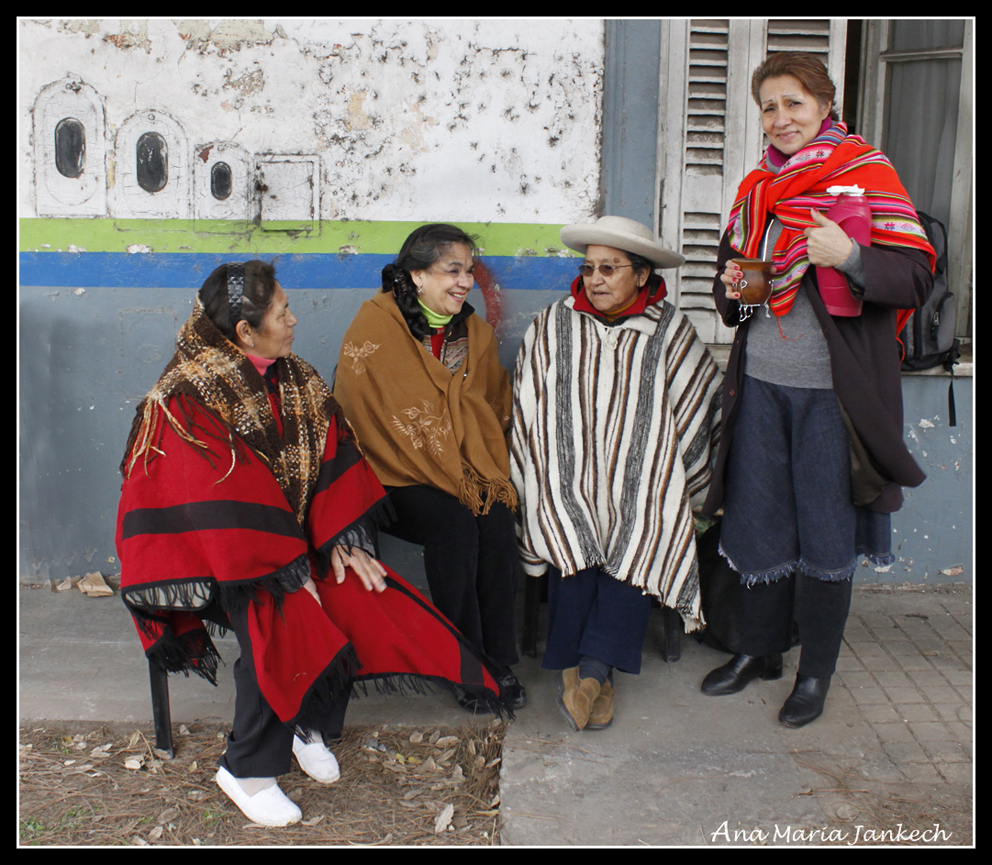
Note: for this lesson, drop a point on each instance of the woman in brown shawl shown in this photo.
(420, 380)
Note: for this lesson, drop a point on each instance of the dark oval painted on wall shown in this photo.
(152, 162)
(70, 147)
(220, 181)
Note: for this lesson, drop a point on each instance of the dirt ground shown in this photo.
(398, 786)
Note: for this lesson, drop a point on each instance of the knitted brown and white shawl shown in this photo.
(214, 372)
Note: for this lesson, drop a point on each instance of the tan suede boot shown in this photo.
(575, 697)
(601, 715)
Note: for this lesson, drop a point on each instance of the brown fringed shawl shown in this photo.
(219, 512)
(216, 374)
(418, 422)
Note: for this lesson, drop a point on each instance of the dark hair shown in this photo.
(807, 68)
(259, 286)
(421, 249)
(640, 265)
(640, 262)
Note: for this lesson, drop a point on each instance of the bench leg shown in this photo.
(533, 588)
(673, 633)
(159, 680)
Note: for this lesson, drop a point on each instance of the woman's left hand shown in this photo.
(826, 243)
(370, 572)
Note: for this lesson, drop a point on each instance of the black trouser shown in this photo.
(260, 745)
(471, 564)
(765, 612)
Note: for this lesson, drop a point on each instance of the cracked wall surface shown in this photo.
(334, 135)
(460, 120)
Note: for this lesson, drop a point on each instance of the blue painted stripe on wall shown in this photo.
(189, 270)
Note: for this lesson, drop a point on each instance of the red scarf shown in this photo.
(833, 158)
(653, 292)
(191, 545)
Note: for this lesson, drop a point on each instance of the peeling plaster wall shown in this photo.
(413, 120)
(934, 532)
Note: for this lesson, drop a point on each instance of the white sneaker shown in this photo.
(314, 759)
(269, 807)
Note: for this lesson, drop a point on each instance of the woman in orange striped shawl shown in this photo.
(812, 460)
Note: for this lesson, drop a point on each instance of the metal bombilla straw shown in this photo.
(747, 310)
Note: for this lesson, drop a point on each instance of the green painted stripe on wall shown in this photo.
(222, 236)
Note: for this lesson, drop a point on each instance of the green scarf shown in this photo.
(433, 319)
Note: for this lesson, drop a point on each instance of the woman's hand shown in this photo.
(826, 243)
(730, 277)
(311, 587)
(370, 572)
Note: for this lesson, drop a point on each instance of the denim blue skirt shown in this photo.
(787, 504)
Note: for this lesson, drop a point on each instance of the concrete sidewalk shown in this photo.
(891, 754)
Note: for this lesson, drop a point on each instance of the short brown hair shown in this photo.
(807, 68)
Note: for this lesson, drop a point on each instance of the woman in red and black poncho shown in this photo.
(244, 490)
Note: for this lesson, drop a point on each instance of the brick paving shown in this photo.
(909, 669)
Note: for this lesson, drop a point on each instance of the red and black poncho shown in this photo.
(223, 508)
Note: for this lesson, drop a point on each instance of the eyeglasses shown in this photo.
(605, 269)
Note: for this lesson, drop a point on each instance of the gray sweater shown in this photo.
(801, 359)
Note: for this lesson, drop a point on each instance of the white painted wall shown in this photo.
(445, 119)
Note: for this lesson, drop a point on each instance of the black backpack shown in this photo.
(928, 336)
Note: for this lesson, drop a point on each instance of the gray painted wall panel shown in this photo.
(933, 532)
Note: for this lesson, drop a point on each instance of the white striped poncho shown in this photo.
(614, 428)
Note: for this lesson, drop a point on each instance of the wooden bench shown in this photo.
(161, 714)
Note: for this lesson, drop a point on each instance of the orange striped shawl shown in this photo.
(833, 158)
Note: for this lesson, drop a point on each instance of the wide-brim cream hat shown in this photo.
(620, 233)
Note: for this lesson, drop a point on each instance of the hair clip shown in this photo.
(235, 291)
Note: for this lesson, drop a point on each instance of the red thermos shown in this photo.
(852, 213)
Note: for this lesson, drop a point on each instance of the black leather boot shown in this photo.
(738, 671)
(805, 703)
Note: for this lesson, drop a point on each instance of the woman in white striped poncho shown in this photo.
(616, 415)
